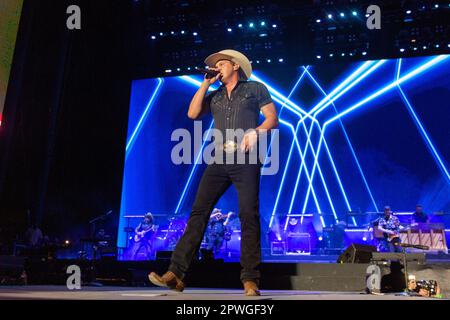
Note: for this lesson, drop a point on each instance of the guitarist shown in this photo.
(390, 226)
(143, 235)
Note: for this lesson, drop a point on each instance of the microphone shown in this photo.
(209, 73)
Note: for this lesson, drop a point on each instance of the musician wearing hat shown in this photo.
(236, 104)
(143, 236)
(390, 226)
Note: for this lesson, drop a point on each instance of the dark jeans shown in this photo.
(216, 179)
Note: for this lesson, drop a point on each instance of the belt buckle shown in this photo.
(230, 146)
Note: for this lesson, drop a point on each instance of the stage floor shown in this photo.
(128, 293)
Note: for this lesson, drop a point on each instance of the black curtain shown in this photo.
(64, 129)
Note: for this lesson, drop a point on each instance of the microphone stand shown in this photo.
(92, 266)
(406, 291)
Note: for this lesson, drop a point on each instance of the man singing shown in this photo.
(236, 104)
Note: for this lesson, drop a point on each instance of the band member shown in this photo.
(217, 230)
(419, 216)
(236, 104)
(390, 226)
(143, 236)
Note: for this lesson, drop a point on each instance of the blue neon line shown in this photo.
(405, 78)
(303, 164)
(279, 115)
(342, 85)
(194, 168)
(351, 148)
(425, 136)
(285, 171)
(421, 128)
(354, 83)
(392, 85)
(144, 116)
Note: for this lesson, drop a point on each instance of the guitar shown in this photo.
(140, 235)
(396, 234)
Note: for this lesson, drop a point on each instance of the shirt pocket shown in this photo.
(248, 100)
(217, 104)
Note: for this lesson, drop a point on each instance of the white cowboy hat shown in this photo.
(234, 56)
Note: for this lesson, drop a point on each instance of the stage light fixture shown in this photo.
(354, 13)
(274, 26)
(402, 50)
(364, 238)
(280, 60)
(342, 15)
(408, 11)
(320, 238)
(318, 20)
(161, 34)
(182, 31)
(269, 60)
(172, 33)
(331, 55)
(195, 34)
(168, 71)
(251, 25)
(229, 30)
(330, 16)
(240, 25)
(263, 23)
(364, 53)
(153, 37)
(424, 47)
(318, 57)
(343, 54)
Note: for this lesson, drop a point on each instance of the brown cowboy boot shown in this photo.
(169, 280)
(251, 288)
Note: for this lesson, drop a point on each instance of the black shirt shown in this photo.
(240, 110)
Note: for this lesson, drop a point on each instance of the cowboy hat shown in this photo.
(233, 56)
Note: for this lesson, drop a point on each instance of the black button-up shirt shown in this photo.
(240, 110)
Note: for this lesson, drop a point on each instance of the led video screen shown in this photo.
(352, 138)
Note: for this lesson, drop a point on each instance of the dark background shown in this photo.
(65, 117)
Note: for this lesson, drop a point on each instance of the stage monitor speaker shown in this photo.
(357, 253)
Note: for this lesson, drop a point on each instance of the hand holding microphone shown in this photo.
(211, 74)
